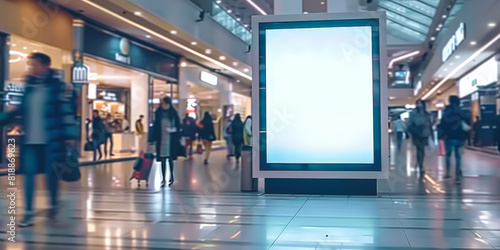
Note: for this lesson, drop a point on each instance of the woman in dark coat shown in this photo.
(420, 128)
(237, 135)
(98, 133)
(207, 134)
(166, 135)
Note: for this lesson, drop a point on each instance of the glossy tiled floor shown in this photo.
(204, 209)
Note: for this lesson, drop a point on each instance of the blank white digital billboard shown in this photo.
(319, 97)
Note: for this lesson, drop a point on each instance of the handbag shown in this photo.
(199, 148)
(68, 170)
(441, 148)
(89, 146)
(465, 127)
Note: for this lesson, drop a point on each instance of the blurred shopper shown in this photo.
(98, 133)
(47, 118)
(166, 135)
(189, 129)
(207, 134)
(454, 129)
(226, 133)
(247, 132)
(110, 124)
(139, 133)
(420, 128)
(237, 136)
(476, 129)
(497, 131)
(399, 128)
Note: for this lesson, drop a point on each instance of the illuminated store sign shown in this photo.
(124, 49)
(481, 76)
(14, 87)
(453, 43)
(208, 78)
(108, 96)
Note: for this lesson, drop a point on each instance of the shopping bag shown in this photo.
(199, 148)
(442, 148)
(68, 169)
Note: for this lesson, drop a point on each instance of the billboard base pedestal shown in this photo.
(322, 186)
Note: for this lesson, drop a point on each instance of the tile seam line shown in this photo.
(286, 226)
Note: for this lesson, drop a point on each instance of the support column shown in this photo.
(284, 7)
(183, 90)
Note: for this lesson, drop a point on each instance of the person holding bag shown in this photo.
(166, 136)
(455, 130)
(50, 133)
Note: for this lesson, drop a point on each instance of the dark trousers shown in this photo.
(97, 148)
(237, 150)
(420, 143)
(36, 157)
(454, 146)
(399, 139)
(189, 146)
(164, 168)
(109, 136)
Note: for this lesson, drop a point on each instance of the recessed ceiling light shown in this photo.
(439, 91)
(432, 83)
(229, 11)
(305, 12)
(440, 75)
(473, 43)
(194, 43)
(246, 25)
(25, 47)
(208, 51)
(237, 80)
(451, 64)
(392, 97)
(492, 24)
(433, 38)
(222, 58)
(457, 57)
(148, 36)
(219, 1)
(446, 69)
(438, 29)
(173, 32)
(235, 64)
(137, 13)
(322, 2)
(13, 45)
(183, 64)
(246, 70)
(35, 50)
(440, 25)
(238, 19)
(445, 16)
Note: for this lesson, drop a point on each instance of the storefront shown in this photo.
(203, 90)
(126, 80)
(477, 91)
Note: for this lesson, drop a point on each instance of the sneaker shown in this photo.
(28, 221)
(447, 176)
(205, 162)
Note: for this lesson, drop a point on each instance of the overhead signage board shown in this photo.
(454, 42)
(341, 45)
(208, 78)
